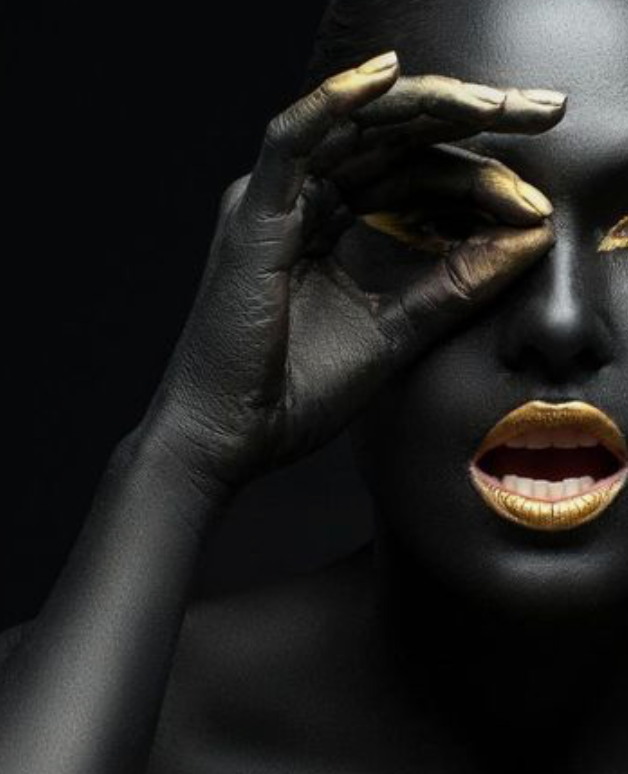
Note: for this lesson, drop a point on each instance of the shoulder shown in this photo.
(291, 622)
(271, 657)
(10, 639)
(284, 677)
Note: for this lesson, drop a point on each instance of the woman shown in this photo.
(392, 264)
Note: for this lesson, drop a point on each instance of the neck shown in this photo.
(499, 667)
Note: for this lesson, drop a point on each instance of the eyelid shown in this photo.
(423, 231)
(616, 238)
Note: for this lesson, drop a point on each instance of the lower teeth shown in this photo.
(548, 490)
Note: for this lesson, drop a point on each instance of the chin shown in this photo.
(417, 449)
(492, 563)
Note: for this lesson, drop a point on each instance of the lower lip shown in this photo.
(543, 515)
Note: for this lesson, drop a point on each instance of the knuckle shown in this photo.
(277, 130)
(461, 277)
(326, 91)
(491, 164)
(233, 195)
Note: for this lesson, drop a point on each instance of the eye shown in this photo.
(439, 232)
(617, 237)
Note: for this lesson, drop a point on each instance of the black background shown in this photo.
(122, 125)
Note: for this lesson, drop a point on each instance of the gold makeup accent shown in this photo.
(544, 505)
(434, 234)
(405, 229)
(352, 80)
(617, 237)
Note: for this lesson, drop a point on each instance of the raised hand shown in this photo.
(284, 346)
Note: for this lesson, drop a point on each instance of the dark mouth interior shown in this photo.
(550, 464)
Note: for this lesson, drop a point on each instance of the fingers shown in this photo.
(488, 262)
(428, 110)
(456, 175)
(478, 106)
(436, 96)
(292, 136)
(532, 111)
(459, 285)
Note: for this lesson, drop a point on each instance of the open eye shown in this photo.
(438, 232)
(617, 237)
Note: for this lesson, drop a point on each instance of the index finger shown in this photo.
(478, 106)
(292, 136)
(429, 111)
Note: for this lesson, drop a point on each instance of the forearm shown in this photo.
(83, 691)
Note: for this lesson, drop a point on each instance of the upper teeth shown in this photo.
(559, 438)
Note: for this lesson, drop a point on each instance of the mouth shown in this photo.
(551, 467)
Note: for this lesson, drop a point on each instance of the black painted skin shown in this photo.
(464, 644)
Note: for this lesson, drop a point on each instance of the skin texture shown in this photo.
(434, 658)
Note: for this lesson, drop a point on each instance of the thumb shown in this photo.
(461, 283)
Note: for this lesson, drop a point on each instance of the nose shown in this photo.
(555, 332)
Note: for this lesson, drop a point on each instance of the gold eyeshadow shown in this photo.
(438, 234)
(617, 237)
(419, 233)
(407, 229)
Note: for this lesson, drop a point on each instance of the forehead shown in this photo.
(579, 47)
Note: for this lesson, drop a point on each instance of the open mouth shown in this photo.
(551, 467)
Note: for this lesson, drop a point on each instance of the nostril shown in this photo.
(558, 360)
(557, 347)
(590, 360)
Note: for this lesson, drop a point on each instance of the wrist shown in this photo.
(158, 453)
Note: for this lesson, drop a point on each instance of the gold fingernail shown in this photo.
(486, 93)
(534, 198)
(380, 64)
(545, 97)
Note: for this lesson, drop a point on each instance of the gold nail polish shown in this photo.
(544, 97)
(534, 198)
(486, 93)
(380, 64)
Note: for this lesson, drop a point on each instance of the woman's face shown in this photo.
(559, 335)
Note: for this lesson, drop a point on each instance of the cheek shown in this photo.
(414, 447)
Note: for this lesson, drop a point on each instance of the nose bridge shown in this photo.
(563, 300)
(556, 331)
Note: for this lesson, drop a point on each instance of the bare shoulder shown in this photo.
(287, 626)
(259, 675)
(297, 677)
(10, 640)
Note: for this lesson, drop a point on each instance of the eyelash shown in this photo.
(617, 237)
(435, 234)
(442, 233)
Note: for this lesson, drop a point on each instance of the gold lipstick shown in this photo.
(551, 467)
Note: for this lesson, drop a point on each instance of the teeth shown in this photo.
(557, 491)
(525, 487)
(548, 490)
(569, 439)
(510, 482)
(516, 443)
(559, 438)
(572, 487)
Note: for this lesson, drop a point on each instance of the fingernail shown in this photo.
(487, 94)
(380, 64)
(535, 199)
(545, 97)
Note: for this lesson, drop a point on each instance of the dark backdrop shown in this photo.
(123, 124)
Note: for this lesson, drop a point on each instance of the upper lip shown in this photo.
(540, 415)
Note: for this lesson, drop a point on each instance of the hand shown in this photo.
(283, 347)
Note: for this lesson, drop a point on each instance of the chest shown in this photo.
(299, 723)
